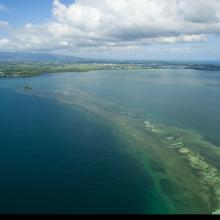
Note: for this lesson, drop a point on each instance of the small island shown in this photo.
(28, 88)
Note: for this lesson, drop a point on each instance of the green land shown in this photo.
(30, 69)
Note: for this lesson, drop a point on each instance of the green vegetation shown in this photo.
(30, 69)
(9, 69)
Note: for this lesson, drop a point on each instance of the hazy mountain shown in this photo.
(21, 56)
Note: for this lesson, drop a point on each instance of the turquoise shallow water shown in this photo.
(56, 158)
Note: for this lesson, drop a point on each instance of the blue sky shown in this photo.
(22, 11)
(135, 29)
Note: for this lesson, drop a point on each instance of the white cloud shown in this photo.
(107, 24)
(136, 19)
(3, 23)
(4, 42)
(64, 43)
(182, 38)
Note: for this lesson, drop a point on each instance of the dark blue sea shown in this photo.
(57, 158)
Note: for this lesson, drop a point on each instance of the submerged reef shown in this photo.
(183, 166)
(208, 175)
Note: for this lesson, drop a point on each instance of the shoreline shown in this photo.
(33, 69)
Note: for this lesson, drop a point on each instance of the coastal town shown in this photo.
(35, 68)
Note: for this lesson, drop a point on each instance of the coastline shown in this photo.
(33, 69)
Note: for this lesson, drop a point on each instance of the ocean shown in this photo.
(60, 152)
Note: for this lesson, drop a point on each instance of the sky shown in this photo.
(122, 29)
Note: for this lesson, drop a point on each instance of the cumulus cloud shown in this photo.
(4, 42)
(182, 39)
(136, 19)
(104, 24)
(3, 23)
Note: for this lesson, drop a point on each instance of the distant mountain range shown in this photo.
(40, 57)
(46, 57)
(21, 56)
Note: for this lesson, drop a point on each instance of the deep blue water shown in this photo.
(55, 158)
